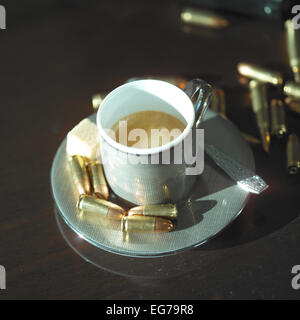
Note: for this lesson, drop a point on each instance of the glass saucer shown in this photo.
(213, 204)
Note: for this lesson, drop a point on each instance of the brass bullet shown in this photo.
(106, 209)
(218, 103)
(97, 100)
(260, 108)
(79, 174)
(292, 89)
(260, 74)
(98, 181)
(293, 47)
(278, 118)
(160, 210)
(203, 18)
(293, 154)
(146, 224)
(294, 105)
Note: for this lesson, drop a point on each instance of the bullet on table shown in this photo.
(203, 18)
(293, 48)
(278, 118)
(79, 174)
(260, 74)
(260, 109)
(97, 100)
(293, 154)
(292, 89)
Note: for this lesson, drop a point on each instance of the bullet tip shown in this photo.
(163, 225)
(135, 211)
(102, 192)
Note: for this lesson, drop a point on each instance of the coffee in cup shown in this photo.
(147, 129)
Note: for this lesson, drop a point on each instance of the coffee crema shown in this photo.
(147, 129)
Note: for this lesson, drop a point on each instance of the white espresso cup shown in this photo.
(140, 176)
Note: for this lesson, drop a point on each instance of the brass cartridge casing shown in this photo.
(293, 154)
(98, 180)
(146, 224)
(260, 74)
(203, 18)
(260, 109)
(292, 89)
(160, 210)
(293, 48)
(218, 103)
(278, 118)
(79, 174)
(106, 209)
(97, 100)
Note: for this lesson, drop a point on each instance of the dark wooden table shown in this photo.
(50, 67)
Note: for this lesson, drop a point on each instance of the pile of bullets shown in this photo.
(89, 180)
(259, 79)
(270, 119)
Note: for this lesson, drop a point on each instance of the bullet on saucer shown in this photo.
(146, 224)
(98, 180)
(160, 210)
(260, 109)
(79, 174)
(88, 204)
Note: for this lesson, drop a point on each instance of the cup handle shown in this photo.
(204, 91)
